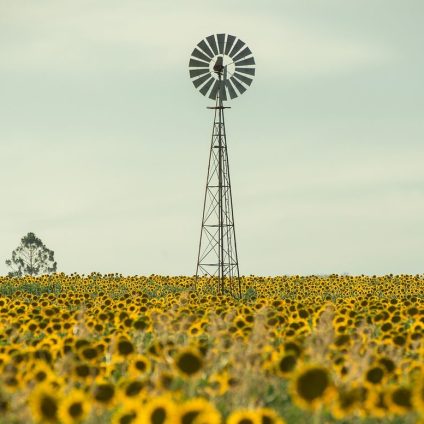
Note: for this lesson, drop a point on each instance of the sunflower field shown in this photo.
(127, 350)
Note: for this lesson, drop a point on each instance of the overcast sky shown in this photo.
(104, 141)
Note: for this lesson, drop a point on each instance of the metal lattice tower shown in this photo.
(220, 65)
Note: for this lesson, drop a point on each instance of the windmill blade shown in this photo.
(221, 43)
(199, 55)
(201, 80)
(230, 42)
(214, 90)
(230, 89)
(238, 85)
(196, 72)
(248, 61)
(239, 44)
(206, 87)
(212, 43)
(197, 64)
(202, 45)
(245, 52)
(243, 78)
(250, 71)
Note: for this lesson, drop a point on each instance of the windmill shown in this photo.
(221, 67)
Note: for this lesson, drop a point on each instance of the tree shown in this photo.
(31, 257)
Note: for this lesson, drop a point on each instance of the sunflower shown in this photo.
(44, 403)
(74, 408)
(139, 365)
(375, 375)
(155, 349)
(269, 416)
(10, 379)
(165, 380)
(141, 323)
(244, 416)
(124, 347)
(104, 393)
(198, 411)
(388, 364)
(129, 413)
(348, 402)
(196, 329)
(89, 353)
(189, 362)
(376, 404)
(286, 364)
(293, 347)
(40, 373)
(399, 400)
(83, 371)
(131, 389)
(160, 410)
(311, 387)
(218, 384)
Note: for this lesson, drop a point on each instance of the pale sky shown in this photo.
(104, 141)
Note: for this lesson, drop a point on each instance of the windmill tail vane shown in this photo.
(221, 67)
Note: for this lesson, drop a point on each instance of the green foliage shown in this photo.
(249, 294)
(10, 288)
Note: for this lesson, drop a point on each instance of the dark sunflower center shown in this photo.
(127, 418)
(189, 417)
(287, 363)
(125, 347)
(104, 392)
(375, 375)
(342, 339)
(75, 409)
(266, 420)
(40, 376)
(48, 407)
(140, 365)
(402, 397)
(290, 346)
(399, 340)
(158, 416)
(347, 399)
(140, 324)
(388, 364)
(189, 363)
(312, 384)
(4, 406)
(82, 370)
(134, 388)
(89, 353)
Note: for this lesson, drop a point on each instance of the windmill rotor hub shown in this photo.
(218, 67)
(226, 64)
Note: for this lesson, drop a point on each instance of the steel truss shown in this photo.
(217, 256)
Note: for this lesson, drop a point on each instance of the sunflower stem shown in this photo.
(191, 388)
(317, 416)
